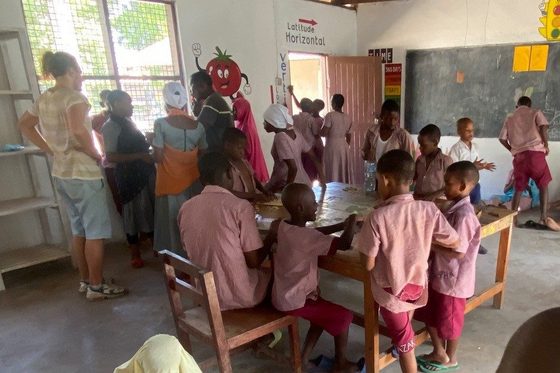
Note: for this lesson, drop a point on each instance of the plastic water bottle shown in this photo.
(370, 182)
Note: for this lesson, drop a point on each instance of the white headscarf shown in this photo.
(278, 116)
(175, 95)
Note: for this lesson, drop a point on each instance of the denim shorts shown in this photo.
(86, 204)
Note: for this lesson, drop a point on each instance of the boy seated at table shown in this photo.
(219, 233)
(245, 183)
(295, 288)
(452, 273)
(431, 165)
(395, 243)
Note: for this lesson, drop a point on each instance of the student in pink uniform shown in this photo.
(395, 243)
(287, 149)
(431, 165)
(219, 233)
(525, 135)
(387, 135)
(246, 185)
(452, 273)
(305, 124)
(296, 277)
(336, 129)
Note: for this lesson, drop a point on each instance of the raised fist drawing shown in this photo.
(196, 49)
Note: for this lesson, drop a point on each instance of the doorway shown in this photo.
(307, 75)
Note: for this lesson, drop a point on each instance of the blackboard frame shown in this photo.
(487, 95)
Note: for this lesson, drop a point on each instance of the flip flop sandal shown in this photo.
(531, 224)
(432, 366)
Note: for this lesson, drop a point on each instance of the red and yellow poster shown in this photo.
(393, 81)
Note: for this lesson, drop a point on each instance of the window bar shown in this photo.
(111, 43)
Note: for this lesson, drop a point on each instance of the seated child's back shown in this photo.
(218, 232)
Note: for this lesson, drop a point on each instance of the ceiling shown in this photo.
(350, 3)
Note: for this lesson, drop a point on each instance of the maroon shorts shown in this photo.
(445, 313)
(331, 317)
(530, 165)
(399, 325)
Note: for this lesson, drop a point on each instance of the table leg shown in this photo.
(502, 264)
(371, 329)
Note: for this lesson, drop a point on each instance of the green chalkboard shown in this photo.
(487, 94)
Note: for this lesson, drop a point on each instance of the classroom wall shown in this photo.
(431, 24)
(254, 33)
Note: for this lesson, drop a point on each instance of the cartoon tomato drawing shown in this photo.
(226, 74)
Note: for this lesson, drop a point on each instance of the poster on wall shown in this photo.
(550, 19)
(386, 54)
(224, 71)
(393, 82)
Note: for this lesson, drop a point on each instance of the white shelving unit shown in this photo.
(26, 188)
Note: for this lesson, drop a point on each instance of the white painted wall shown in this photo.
(426, 24)
(253, 32)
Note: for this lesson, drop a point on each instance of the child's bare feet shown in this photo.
(345, 367)
(552, 225)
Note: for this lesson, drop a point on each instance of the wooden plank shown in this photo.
(15, 206)
(20, 258)
(371, 332)
(487, 294)
(502, 264)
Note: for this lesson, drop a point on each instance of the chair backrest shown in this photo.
(184, 278)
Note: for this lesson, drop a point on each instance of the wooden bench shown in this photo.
(227, 331)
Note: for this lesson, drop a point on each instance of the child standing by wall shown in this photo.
(452, 273)
(127, 147)
(395, 243)
(296, 278)
(246, 185)
(337, 129)
(431, 165)
(525, 135)
(467, 150)
(387, 135)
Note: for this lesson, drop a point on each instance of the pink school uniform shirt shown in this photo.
(239, 184)
(216, 229)
(452, 276)
(431, 179)
(296, 276)
(521, 130)
(284, 148)
(305, 123)
(399, 235)
(399, 139)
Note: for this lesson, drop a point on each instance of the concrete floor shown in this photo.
(46, 326)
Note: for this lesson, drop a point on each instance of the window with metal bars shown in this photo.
(120, 44)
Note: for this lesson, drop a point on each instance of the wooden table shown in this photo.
(340, 200)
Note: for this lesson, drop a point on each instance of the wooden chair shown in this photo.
(227, 331)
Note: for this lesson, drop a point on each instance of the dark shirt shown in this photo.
(216, 116)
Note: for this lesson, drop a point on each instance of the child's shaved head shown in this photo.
(297, 197)
(463, 122)
(397, 164)
(431, 132)
(465, 171)
(214, 168)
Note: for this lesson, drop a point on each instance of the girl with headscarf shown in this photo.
(287, 148)
(178, 141)
(245, 121)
